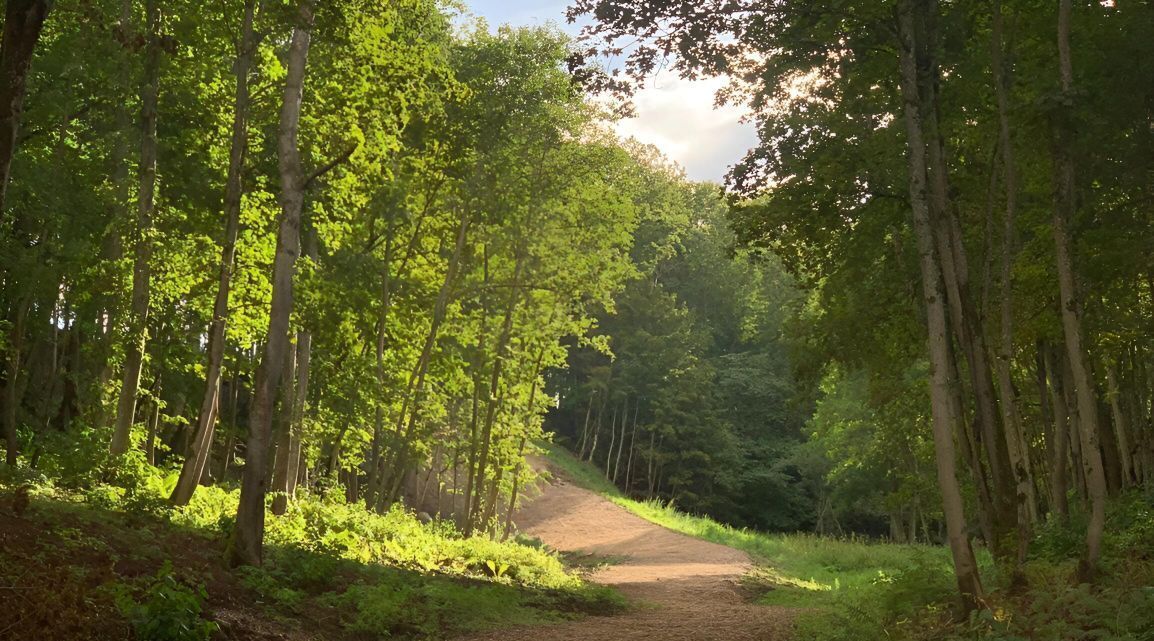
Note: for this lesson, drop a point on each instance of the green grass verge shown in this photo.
(854, 589)
(796, 569)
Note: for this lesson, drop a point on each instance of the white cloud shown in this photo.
(678, 117)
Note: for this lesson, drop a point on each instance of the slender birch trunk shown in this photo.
(201, 445)
(248, 534)
(1064, 208)
(142, 259)
(1016, 446)
(495, 379)
(612, 441)
(1059, 479)
(1121, 429)
(965, 567)
(632, 448)
(285, 479)
(585, 428)
(621, 440)
(410, 408)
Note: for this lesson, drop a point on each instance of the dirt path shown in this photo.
(683, 588)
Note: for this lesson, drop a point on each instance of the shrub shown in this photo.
(166, 610)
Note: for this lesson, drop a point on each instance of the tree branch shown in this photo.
(330, 165)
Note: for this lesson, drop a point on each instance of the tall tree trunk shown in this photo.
(1059, 478)
(284, 481)
(288, 465)
(585, 428)
(379, 366)
(23, 22)
(966, 435)
(1075, 435)
(965, 567)
(12, 384)
(964, 320)
(1064, 208)
(142, 259)
(632, 448)
(495, 378)
(1016, 445)
(474, 426)
(612, 441)
(1121, 428)
(113, 247)
(201, 445)
(597, 425)
(248, 534)
(411, 405)
(153, 419)
(621, 441)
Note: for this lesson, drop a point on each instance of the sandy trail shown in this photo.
(683, 588)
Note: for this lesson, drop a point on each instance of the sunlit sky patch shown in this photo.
(677, 116)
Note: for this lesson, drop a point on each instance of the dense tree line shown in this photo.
(963, 190)
(284, 243)
(690, 398)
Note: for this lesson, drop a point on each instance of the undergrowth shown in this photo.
(376, 575)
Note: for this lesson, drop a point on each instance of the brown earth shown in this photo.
(681, 588)
(60, 563)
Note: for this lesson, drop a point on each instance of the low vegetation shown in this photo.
(92, 559)
(856, 588)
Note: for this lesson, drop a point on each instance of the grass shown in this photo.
(855, 589)
(795, 569)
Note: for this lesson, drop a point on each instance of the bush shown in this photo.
(166, 610)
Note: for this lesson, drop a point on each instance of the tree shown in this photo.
(248, 534)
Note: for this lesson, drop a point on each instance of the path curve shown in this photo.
(682, 588)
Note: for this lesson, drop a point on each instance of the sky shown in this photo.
(677, 116)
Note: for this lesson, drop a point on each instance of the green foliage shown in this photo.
(399, 607)
(695, 382)
(167, 610)
(398, 539)
(385, 575)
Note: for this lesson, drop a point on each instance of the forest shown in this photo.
(307, 308)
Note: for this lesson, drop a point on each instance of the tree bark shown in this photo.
(248, 534)
(23, 23)
(585, 428)
(965, 567)
(153, 419)
(284, 481)
(1064, 208)
(1016, 446)
(12, 388)
(621, 440)
(612, 441)
(1121, 428)
(142, 259)
(1059, 477)
(954, 268)
(632, 448)
(495, 378)
(201, 445)
(1075, 435)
